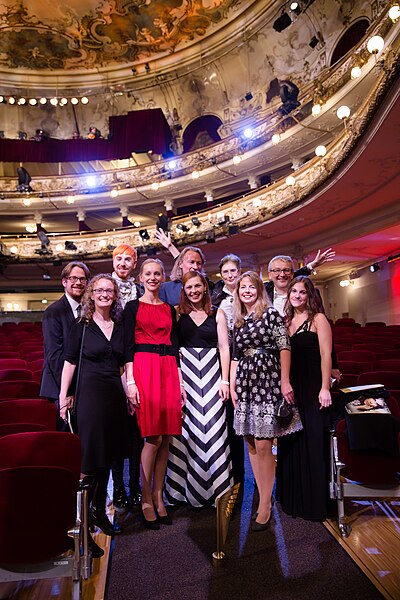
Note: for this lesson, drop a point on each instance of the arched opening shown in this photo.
(201, 132)
(351, 37)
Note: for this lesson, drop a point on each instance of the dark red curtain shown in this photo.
(138, 131)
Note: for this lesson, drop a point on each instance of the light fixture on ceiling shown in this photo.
(171, 165)
(290, 180)
(237, 159)
(195, 174)
(257, 202)
(295, 8)
(248, 133)
(136, 223)
(84, 100)
(22, 101)
(32, 101)
(374, 268)
(354, 274)
(70, 199)
(54, 101)
(394, 13)
(63, 101)
(344, 283)
(102, 244)
(44, 241)
(59, 248)
(14, 250)
(196, 221)
(155, 185)
(375, 44)
(11, 100)
(74, 101)
(248, 96)
(43, 100)
(30, 228)
(114, 193)
(182, 228)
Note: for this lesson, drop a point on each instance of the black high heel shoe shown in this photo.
(255, 514)
(153, 525)
(165, 520)
(256, 526)
(99, 518)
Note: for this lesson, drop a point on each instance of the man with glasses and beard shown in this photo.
(57, 321)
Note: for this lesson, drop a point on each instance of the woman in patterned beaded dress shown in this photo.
(259, 379)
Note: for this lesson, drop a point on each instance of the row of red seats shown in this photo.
(12, 369)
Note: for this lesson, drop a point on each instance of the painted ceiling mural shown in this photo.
(84, 34)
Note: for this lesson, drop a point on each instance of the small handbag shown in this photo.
(72, 412)
(284, 413)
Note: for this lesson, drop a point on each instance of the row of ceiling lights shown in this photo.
(21, 101)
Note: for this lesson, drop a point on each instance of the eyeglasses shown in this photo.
(74, 279)
(277, 271)
(102, 291)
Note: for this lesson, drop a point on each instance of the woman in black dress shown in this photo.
(101, 407)
(259, 379)
(303, 458)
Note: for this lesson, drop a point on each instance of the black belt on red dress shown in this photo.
(161, 349)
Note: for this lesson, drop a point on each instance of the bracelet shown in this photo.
(130, 382)
(224, 382)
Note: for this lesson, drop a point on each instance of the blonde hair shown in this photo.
(152, 260)
(88, 307)
(238, 308)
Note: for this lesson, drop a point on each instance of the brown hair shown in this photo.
(88, 303)
(125, 249)
(314, 304)
(68, 268)
(176, 273)
(239, 309)
(185, 306)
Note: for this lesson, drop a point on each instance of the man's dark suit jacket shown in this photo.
(57, 321)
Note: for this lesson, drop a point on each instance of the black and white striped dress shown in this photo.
(199, 465)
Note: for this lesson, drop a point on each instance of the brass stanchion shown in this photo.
(225, 505)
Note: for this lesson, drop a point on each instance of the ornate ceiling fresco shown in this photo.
(86, 34)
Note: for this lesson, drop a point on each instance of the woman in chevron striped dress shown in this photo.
(199, 466)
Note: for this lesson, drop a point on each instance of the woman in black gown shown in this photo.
(303, 458)
(101, 407)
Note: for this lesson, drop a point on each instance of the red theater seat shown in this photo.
(15, 375)
(19, 389)
(29, 411)
(13, 363)
(390, 379)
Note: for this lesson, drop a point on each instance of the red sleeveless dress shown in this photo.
(160, 410)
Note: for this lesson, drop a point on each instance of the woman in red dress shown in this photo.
(154, 383)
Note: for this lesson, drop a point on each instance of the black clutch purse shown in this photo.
(284, 413)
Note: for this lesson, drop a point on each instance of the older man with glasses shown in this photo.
(57, 321)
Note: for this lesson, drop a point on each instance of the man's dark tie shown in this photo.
(79, 310)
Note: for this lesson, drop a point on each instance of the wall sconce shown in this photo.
(394, 13)
(375, 44)
(355, 72)
(320, 151)
(343, 112)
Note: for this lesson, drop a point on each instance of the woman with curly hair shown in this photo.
(96, 342)
(303, 458)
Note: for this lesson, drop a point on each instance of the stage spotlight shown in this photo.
(374, 268)
(181, 227)
(210, 237)
(163, 222)
(196, 222)
(354, 275)
(222, 218)
(232, 229)
(111, 247)
(45, 242)
(24, 180)
(144, 234)
(46, 275)
(248, 133)
(288, 92)
(282, 22)
(313, 42)
(70, 245)
(248, 96)
(22, 135)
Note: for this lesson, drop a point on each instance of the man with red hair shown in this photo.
(124, 263)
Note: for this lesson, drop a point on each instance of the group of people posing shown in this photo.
(174, 375)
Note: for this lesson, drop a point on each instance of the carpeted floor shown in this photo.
(293, 559)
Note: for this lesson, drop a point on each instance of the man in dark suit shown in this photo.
(57, 321)
(281, 272)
